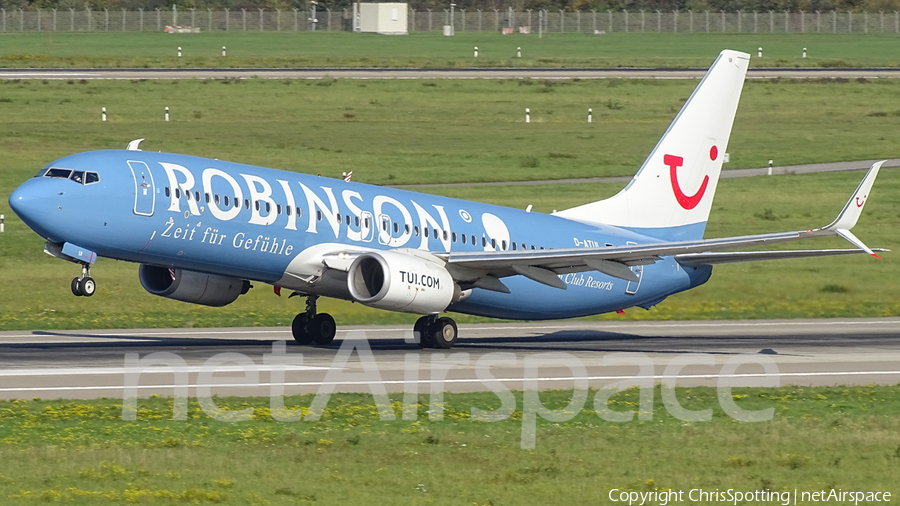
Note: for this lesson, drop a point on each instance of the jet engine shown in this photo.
(191, 286)
(401, 282)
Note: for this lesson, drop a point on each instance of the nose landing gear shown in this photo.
(84, 285)
(310, 327)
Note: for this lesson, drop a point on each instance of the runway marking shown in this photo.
(576, 326)
(101, 371)
(455, 381)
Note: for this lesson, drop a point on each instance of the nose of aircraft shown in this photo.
(29, 205)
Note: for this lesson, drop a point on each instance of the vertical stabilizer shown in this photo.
(671, 195)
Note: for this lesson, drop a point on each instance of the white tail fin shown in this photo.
(671, 195)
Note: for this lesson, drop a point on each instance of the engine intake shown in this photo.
(400, 282)
(191, 286)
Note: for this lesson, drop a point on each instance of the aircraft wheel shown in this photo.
(298, 329)
(75, 289)
(444, 333)
(322, 329)
(87, 286)
(424, 339)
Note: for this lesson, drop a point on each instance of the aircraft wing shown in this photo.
(484, 269)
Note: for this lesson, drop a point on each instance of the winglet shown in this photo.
(134, 145)
(851, 212)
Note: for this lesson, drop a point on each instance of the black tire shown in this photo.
(444, 333)
(299, 331)
(322, 329)
(87, 286)
(76, 290)
(424, 338)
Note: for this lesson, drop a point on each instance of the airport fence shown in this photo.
(508, 20)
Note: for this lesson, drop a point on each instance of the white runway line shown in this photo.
(455, 381)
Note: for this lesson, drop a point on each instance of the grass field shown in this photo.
(441, 131)
(82, 452)
(431, 49)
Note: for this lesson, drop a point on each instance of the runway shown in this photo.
(426, 73)
(245, 361)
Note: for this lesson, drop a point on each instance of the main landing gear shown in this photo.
(310, 327)
(435, 332)
(85, 285)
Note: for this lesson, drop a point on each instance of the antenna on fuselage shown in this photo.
(134, 145)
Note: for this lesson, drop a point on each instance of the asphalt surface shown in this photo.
(421, 73)
(91, 364)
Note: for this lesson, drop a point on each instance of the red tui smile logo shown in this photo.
(686, 201)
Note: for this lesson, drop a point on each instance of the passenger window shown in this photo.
(503, 245)
(494, 243)
(247, 203)
(384, 225)
(453, 237)
(168, 192)
(216, 199)
(426, 231)
(483, 241)
(177, 193)
(278, 208)
(197, 195)
(416, 231)
(339, 218)
(268, 207)
(474, 242)
(318, 215)
(514, 246)
(227, 202)
(299, 212)
(237, 202)
(406, 228)
(464, 238)
(207, 198)
(356, 220)
(532, 246)
(288, 209)
(367, 222)
(348, 220)
(256, 204)
(396, 227)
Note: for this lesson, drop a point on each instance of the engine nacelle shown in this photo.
(400, 282)
(191, 286)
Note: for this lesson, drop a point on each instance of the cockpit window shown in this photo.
(78, 176)
(60, 173)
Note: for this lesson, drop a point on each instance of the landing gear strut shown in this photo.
(85, 285)
(310, 327)
(436, 332)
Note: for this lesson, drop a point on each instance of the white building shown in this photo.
(387, 18)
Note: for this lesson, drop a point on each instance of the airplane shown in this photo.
(202, 230)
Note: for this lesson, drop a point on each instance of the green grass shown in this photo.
(82, 452)
(421, 49)
(392, 132)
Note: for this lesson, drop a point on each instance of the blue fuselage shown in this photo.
(250, 222)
